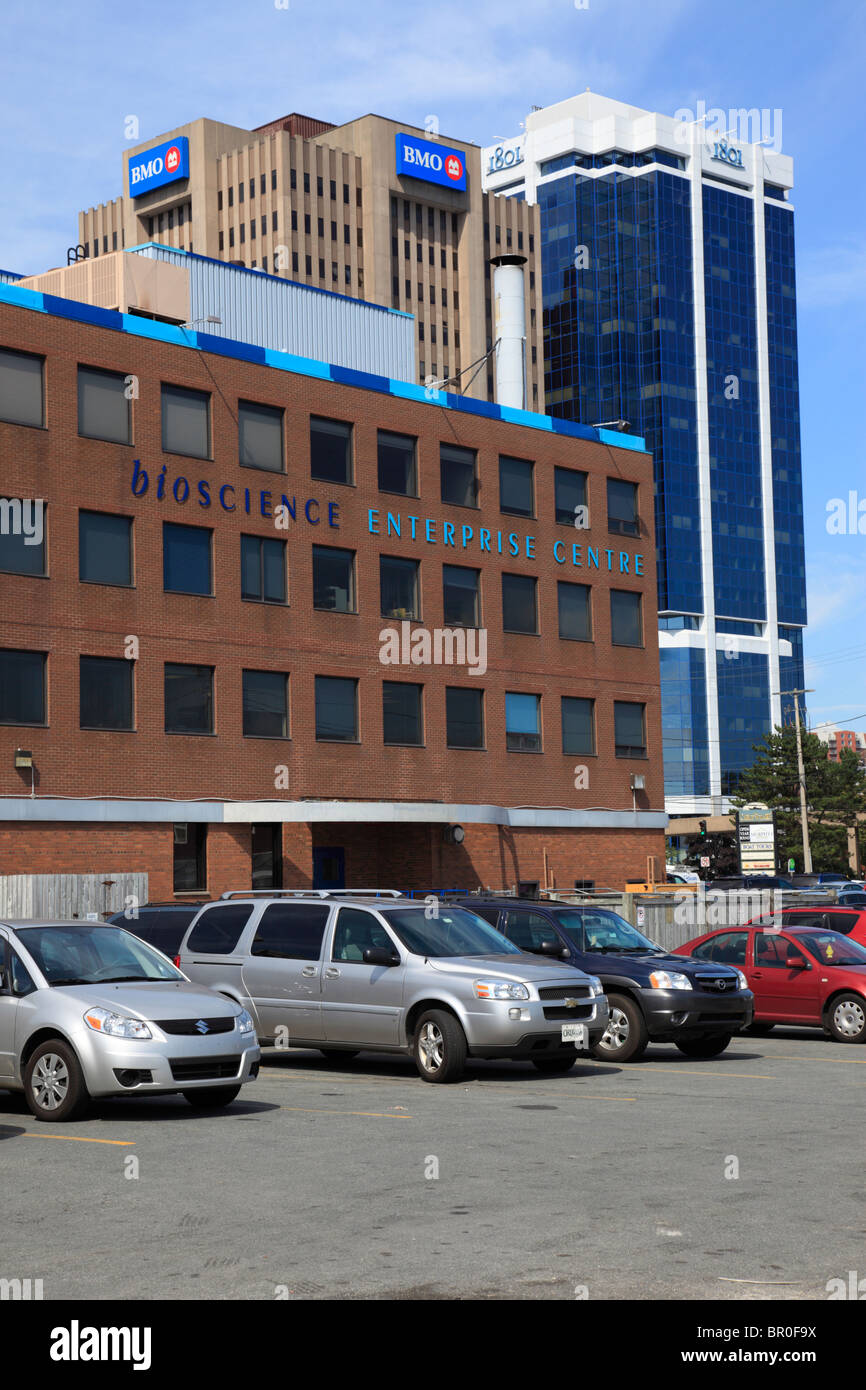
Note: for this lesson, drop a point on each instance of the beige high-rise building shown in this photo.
(327, 206)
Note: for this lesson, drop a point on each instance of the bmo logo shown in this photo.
(155, 167)
(428, 160)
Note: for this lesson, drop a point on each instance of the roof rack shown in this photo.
(311, 893)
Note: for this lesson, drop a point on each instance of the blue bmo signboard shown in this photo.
(160, 165)
(428, 160)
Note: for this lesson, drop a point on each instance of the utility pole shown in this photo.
(801, 771)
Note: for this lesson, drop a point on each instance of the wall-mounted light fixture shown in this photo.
(23, 761)
(454, 835)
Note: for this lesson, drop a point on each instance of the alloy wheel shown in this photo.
(616, 1033)
(50, 1081)
(431, 1046)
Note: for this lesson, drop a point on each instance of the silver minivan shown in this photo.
(350, 971)
(87, 1010)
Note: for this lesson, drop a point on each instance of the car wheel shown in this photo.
(338, 1054)
(704, 1047)
(626, 1036)
(553, 1065)
(759, 1030)
(214, 1098)
(54, 1083)
(439, 1047)
(846, 1018)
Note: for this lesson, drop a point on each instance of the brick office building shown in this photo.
(202, 652)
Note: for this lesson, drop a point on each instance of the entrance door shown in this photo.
(329, 867)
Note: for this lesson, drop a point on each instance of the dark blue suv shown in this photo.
(653, 996)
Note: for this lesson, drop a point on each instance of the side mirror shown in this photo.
(380, 955)
(551, 947)
(796, 963)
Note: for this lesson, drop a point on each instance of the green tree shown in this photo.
(835, 796)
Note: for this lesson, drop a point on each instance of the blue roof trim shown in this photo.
(82, 313)
(266, 275)
(368, 381)
(303, 366)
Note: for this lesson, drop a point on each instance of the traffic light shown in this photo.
(702, 826)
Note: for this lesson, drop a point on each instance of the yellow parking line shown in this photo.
(75, 1138)
(636, 1068)
(370, 1114)
(840, 1061)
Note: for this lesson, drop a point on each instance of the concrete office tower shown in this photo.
(669, 302)
(371, 209)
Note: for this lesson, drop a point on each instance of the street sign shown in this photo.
(756, 839)
(792, 864)
(705, 861)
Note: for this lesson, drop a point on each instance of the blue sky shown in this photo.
(71, 75)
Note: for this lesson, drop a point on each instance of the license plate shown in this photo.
(574, 1032)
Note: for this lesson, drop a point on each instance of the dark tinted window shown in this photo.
(105, 692)
(569, 492)
(401, 713)
(397, 469)
(629, 729)
(103, 406)
(398, 586)
(333, 579)
(260, 436)
(190, 857)
(263, 569)
(20, 388)
(265, 699)
(188, 699)
(290, 931)
(519, 606)
(218, 929)
(186, 422)
(622, 507)
(104, 548)
(22, 535)
(575, 615)
(460, 596)
(330, 450)
(22, 687)
(464, 716)
(626, 625)
(515, 486)
(186, 559)
(336, 709)
(578, 725)
(528, 929)
(459, 482)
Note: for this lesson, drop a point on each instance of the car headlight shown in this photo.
(595, 985)
(116, 1025)
(744, 984)
(244, 1022)
(500, 989)
(669, 979)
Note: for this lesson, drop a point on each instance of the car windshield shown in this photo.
(93, 954)
(831, 948)
(595, 929)
(454, 931)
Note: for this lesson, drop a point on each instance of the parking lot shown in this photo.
(739, 1178)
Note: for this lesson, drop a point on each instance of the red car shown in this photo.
(850, 921)
(799, 974)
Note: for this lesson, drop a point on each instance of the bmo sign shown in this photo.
(162, 164)
(428, 160)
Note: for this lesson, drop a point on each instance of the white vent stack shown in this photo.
(510, 330)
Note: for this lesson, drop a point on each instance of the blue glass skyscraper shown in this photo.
(667, 259)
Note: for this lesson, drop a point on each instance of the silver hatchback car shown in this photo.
(87, 1010)
(346, 972)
